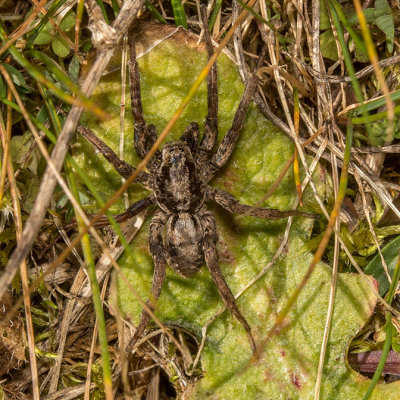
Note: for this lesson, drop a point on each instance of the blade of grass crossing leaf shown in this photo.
(373, 105)
(97, 302)
(375, 117)
(155, 12)
(81, 100)
(374, 60)
(296, 170)
(43, 21)
(357, 40)
(348, 62)
(214, 14)
(321, 248)
(179, 13)
(389, 332)
(55, 69)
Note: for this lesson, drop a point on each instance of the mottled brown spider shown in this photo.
(183, 233)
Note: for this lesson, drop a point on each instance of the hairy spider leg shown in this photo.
(211, 122)
(211, 257)
(225, 149)
(156, 234)
(232, 204)
(191, 137)
(122, 167)
(144, 136)
(130, 212)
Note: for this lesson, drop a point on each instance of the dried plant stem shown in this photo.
(6, 150)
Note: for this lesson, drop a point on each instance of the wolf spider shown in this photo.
(183, 232)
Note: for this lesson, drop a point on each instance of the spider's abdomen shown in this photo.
(178, 186)
(184, 243)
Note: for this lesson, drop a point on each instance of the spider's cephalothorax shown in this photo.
(183, 232)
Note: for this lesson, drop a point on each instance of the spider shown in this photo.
(183, 232)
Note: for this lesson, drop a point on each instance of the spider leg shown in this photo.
(131, 211)
(144, 136)
(158, 253)
(211, 123)
(211, 257)
(191, 136)
(122, 167)
(225, 149)
(230, 203)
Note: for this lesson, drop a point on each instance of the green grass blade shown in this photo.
(373, 105)
(96, 294)
(115, 7)
(55, 69)
(374, 117)
(103, 10)
(214, 14)
(179, 13)
(155, 12)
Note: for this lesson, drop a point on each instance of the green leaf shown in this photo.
(287, 367)
(73, 69)
(16, 76)
(384, 21)
(3, 91)
(352, 17)
(324, 22)
(68, 22)
(45, 36)
(328, 45)
(60, 47)
(390, 254)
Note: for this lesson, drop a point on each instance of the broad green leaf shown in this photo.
(390, 254)
(16, 76)
(287, 367)
(68, 22)
(324, 22)
(328, 45)
(60, 46)
(384, 21)
(45, 36)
